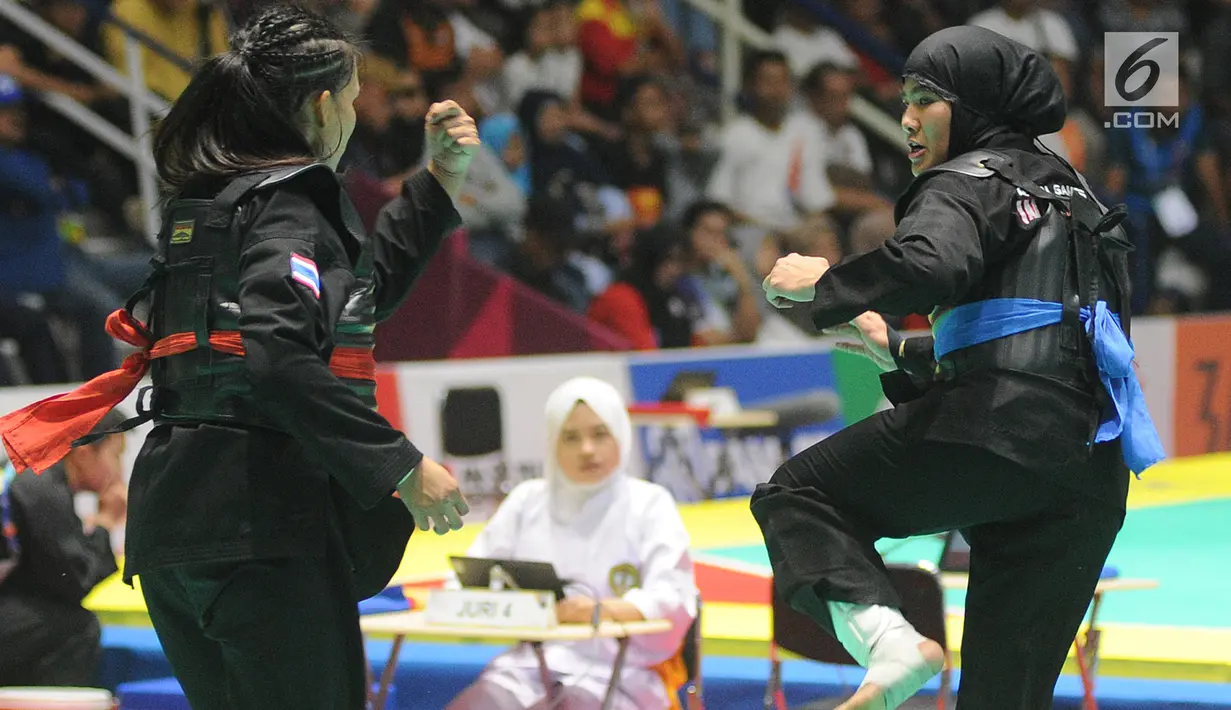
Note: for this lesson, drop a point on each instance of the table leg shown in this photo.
(549, 688)
(1088, 701)
(1087, 653)
(386, 676)
(1093, 633)
(616, 671)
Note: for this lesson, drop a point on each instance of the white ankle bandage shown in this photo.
(880, 639)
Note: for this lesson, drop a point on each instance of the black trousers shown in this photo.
(44, 642)
(262, 634)
(1037, 544)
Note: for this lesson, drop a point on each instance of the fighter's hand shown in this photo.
(873, 334)
(452, 140)
(793, 279)
(433, 498)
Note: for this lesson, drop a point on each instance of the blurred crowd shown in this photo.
(607, 179)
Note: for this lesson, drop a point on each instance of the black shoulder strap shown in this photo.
(986, 163)
(222, 209)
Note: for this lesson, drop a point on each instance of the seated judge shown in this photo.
(621, 542)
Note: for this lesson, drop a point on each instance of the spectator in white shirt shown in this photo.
(828, 89)
(1038, 28)
(806, 42)
(545, 63)
(771, 170)
(866, 214)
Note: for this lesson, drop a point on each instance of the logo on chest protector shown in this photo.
(181, 231)
(622, 578)
(1027, 211)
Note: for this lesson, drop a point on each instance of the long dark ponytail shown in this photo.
(241, 111)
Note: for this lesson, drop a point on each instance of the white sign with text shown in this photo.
(488, 608)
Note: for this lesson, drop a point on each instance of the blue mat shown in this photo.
(436, 673)
(166, 694)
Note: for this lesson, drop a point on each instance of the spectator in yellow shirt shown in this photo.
(175, 24)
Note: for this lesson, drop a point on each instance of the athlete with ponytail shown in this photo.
(262, 505)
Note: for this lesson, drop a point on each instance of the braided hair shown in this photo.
(243, 109)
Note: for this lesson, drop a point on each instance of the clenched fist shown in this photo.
(793, 279)
(452, 140)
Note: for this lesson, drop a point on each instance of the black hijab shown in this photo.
(996, 85)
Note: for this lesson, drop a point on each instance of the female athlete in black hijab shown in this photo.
(1003, 426)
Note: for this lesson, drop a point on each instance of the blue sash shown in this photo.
(1126, 416)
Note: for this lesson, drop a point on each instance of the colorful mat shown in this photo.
(1176, 532)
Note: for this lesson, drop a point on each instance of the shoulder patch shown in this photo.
(1027, 210)
(181, 230)
(304, 272)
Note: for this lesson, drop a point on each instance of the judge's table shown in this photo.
(414, 624)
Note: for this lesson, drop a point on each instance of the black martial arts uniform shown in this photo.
(261, 506)
(46, 636)
(994, 438)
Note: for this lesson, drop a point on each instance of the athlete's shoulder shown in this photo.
(313, 174)
(294, 199)
(968, 188)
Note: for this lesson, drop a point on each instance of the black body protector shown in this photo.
(194, 289)
(1076, 255)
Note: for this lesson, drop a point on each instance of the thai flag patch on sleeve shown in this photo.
(303, 270)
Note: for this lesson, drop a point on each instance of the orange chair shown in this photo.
(923, 605)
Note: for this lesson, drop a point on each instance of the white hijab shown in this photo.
(567, 500)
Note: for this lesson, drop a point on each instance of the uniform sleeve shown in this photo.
(61, 559)
(668, 584)
(408, 232)
(932, 259)
(286, 335)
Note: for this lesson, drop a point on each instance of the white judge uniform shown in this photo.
(622, 537)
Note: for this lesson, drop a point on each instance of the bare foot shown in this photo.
(872, 697)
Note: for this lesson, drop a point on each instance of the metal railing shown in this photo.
(143, 104)
(737, 31)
